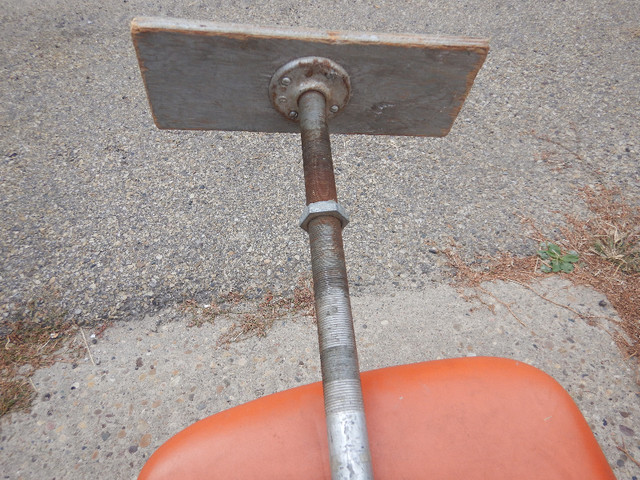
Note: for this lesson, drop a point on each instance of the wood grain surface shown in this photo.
(211, 76)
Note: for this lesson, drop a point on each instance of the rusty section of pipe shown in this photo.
(349, 452)
(320, 183)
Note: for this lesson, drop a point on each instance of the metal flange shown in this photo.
(309, 73)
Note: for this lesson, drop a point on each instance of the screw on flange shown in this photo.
(305, 74)
(331, 75)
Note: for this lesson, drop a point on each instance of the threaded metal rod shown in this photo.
(344, 408)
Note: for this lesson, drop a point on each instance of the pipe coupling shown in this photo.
(327, 207)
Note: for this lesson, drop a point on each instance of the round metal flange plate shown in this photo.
(309, 73)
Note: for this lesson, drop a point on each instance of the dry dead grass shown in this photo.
(250, 319)
(608, 243)
(30, 336)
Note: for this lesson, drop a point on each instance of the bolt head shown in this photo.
(334, 108)
(293, 114)
(285, 81)
(282, 100)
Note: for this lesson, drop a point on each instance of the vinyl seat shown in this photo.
(466, 418)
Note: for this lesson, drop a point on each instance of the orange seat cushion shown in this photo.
(466, 418)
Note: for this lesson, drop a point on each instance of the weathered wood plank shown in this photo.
(211, 76)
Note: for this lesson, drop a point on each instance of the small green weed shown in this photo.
(607, 243)
(553, 260)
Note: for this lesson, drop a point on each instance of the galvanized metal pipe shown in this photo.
(344, 408)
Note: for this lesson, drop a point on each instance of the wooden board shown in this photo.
(212, 76)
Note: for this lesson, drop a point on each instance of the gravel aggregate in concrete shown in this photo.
(123, 222)
(157, 376)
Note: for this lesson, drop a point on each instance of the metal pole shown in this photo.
(344, 407)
